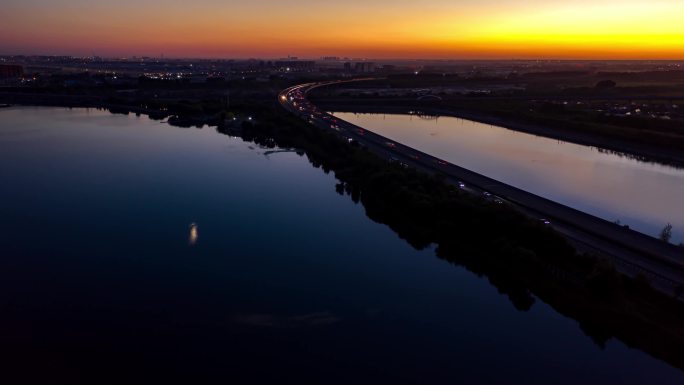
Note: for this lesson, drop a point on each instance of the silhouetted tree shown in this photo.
(666, 233)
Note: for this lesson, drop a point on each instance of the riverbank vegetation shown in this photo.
(524, 259)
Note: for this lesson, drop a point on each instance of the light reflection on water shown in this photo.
(291, 282)
(192, 238)
(645, 196)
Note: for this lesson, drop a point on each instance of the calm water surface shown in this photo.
(102, 280)
(645, 196)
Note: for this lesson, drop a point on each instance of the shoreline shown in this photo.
(579, 300)
(640, 152)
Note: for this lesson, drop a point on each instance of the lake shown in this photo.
(137, 252)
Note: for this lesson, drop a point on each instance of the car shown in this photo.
(461, 184)
(545, 221)
(391, 145)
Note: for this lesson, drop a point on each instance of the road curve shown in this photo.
(632, 252)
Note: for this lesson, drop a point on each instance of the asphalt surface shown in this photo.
(632, 252)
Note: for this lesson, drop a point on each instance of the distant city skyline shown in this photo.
(440, 29)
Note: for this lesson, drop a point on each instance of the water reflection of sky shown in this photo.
(645, 196)
(289, 280)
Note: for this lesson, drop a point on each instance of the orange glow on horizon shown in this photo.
(614, 29)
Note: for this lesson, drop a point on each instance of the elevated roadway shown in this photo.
(632, 252)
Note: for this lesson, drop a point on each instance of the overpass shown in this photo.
(631, 252)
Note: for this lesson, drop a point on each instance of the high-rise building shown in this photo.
(364, 67)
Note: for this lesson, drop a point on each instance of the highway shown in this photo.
(631, 252)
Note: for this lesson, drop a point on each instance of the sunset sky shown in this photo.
(454, 29)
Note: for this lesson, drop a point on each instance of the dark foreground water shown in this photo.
(103, 280)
